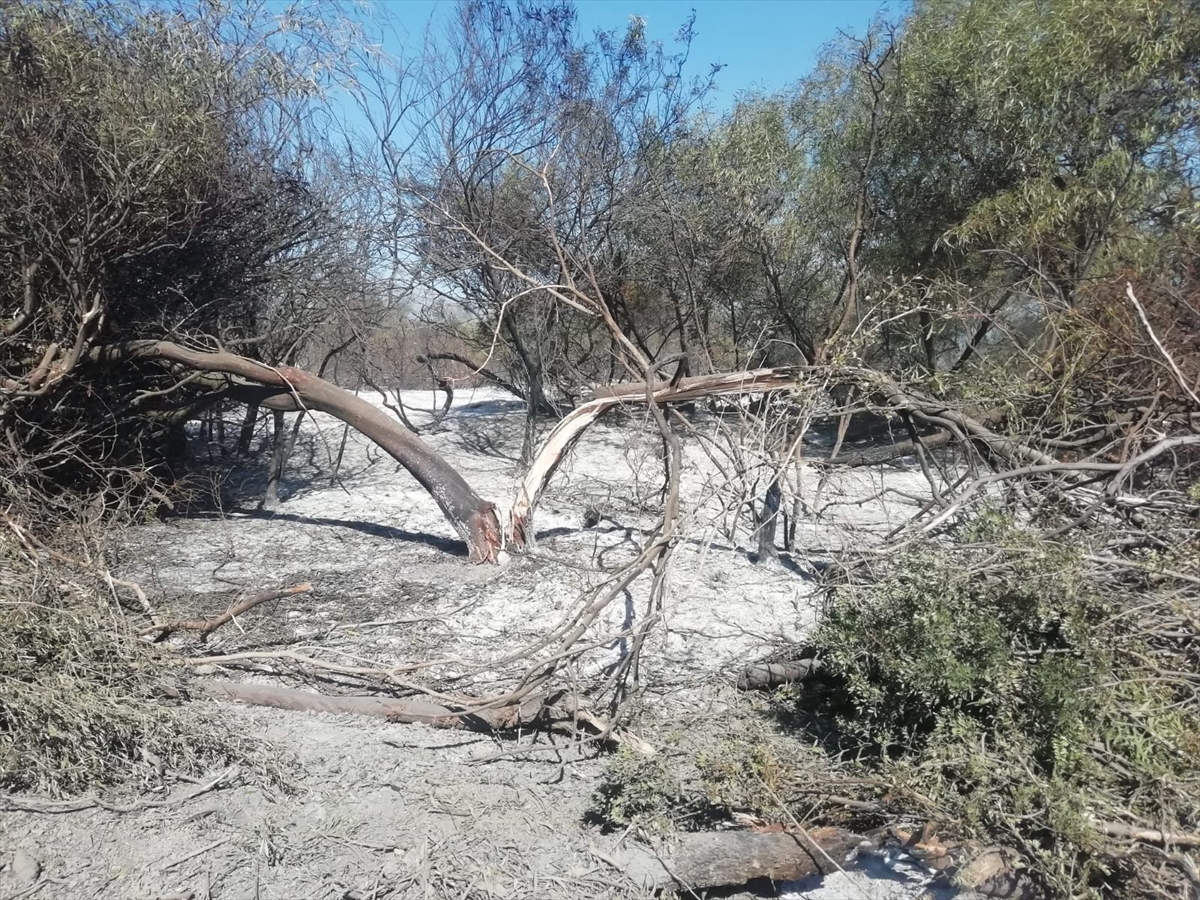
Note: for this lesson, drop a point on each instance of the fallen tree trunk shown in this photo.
(718, 859)
(556, 710)
(471, 516)
(762, 676)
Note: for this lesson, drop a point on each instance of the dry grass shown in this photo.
(83, 703)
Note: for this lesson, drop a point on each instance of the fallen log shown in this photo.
(557, 710)
(761, 676)
(533, 709)
(722, 858)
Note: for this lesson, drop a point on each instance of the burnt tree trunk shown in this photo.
(270, 498)
(281, 452)
(767, 550)
(246, 435)
(705, 860)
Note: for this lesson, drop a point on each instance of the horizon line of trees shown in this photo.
(956, 197)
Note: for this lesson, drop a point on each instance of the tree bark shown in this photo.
(270, 498)
(246, 435)
(281, 453)
(767, 551)
(724, 858)
(472, 517)
(761, 676)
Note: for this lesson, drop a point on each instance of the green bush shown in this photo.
(749, 771)
(994, 678)
(1007, 643)
(80, 699)
(637, 790)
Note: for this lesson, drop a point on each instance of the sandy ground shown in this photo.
(375, 810)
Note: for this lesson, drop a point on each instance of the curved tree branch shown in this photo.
(473, 518)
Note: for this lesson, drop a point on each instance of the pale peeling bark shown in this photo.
(559, 442)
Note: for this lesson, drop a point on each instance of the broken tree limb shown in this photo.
(206, 626)
(756, 381)
(1121, 831)
(556, 710)
(540, 708)
(473, 518)
(481, 370)
(559, 442)
(408, 711)
(717, 859)
(752, 381)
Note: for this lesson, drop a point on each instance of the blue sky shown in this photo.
(764, 44)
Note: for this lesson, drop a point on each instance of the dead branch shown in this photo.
(207, 626)
(482, 370)
(554, 710)
(34, 546)
(559, 442)
(9, 801)
(396, 408)
(1123, 832)
(1176, 372)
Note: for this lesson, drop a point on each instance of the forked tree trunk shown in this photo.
(472, 517)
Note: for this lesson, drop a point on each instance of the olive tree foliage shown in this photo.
(157, 173)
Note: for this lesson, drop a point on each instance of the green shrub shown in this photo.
(1007, 643)
(747, 772)
(994, 678)
(78, 704)
(637, 790)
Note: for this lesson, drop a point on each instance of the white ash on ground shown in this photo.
(387, 810)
